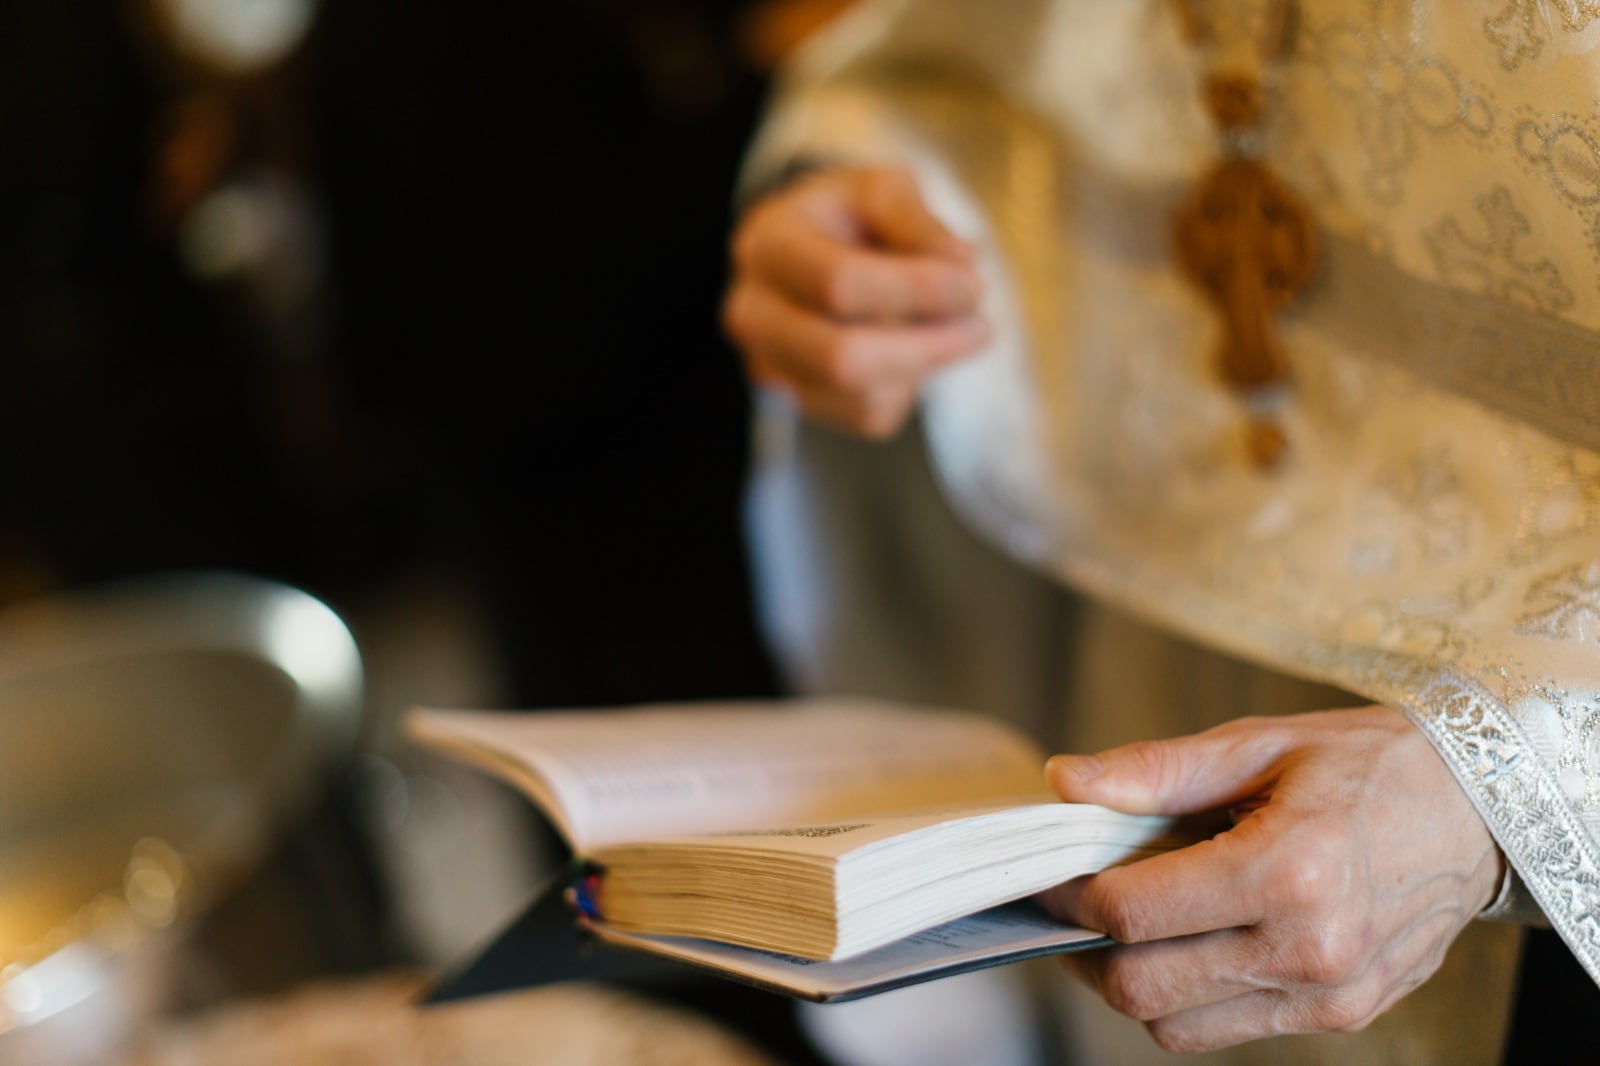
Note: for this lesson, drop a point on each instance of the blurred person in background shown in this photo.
(997, 240)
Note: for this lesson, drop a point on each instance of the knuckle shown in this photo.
(951, 289)
(883, 189)
(1348, 1010)
(881, 419)
(840, 287)
(1151, 760)
(892, 176)
(886, 180)
(928, 288)
(1171, 1036)
(1123, 918)
(1328, 956)
(1132, 990)
(1316, 874)
(1248, 730)
(843, 361)
(1303, 885)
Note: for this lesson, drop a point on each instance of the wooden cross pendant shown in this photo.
(1249, 244)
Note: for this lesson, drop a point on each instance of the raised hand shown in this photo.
(847, 292)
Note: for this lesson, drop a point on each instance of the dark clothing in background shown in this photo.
(130, 437)
(529, 210)
(525, 211)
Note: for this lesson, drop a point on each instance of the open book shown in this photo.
(850, 841)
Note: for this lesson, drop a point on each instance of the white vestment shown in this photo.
(1431, 541)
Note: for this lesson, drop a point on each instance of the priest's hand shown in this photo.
(847, 292)
(1353, 861)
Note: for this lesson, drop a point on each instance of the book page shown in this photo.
(835, 890)
(636, 775)
(1005, 934)
(831, 840)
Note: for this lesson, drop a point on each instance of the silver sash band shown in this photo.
(1538, 369)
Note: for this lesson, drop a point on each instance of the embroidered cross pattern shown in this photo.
(1564, 605)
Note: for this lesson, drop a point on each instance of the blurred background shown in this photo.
(409, 304)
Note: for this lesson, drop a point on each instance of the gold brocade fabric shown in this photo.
(1432, 540)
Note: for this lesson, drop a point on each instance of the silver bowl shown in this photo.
(152, 736)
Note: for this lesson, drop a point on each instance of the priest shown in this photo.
(1271, 329)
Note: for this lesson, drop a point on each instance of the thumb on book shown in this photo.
(1187, 775)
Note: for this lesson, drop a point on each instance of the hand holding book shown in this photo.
(1354, 861)
(821, 830)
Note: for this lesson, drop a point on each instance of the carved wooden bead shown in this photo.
(1265, 442)
(1235, 101)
